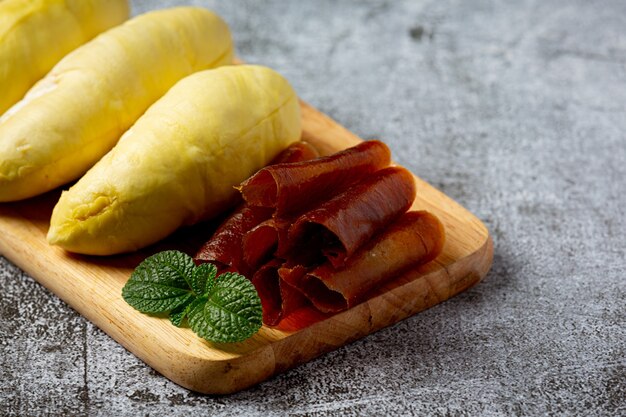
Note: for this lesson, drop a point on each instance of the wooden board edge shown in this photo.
(232, 375)
(430, 286)
(426, 291)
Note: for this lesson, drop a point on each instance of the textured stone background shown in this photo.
(515, 109)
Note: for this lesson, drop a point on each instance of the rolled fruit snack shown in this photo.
(292, 188)
(414, 239)
(224, 249)
(346, 236)
(339, 226)
(278, 297)
(336, 228)
(260, 242)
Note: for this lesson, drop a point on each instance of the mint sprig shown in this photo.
(228, 315)
(223, 308)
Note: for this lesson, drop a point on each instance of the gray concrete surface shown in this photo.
(515, 109)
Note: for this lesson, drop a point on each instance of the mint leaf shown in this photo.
(232, 312)
(149, 297)
(203, 278)
(169, 268)
(178, 314)
(159, 283)
(220, 309)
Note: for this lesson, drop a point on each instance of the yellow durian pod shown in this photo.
(77, 113)
(36, 34)
(179, 163)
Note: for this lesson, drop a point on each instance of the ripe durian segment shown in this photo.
(179, 163)
(36, 34)
(77, 113)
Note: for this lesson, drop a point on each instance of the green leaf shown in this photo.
(178, 315)
(159, 283)
(223, 309)
(232, 312)
(170, 267)
(149, 297)
(203, 278)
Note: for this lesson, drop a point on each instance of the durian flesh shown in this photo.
(179, 163)
(76, 114)
(36, 34)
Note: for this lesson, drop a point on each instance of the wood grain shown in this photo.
(93, 285)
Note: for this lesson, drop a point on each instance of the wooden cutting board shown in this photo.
(93, 285)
